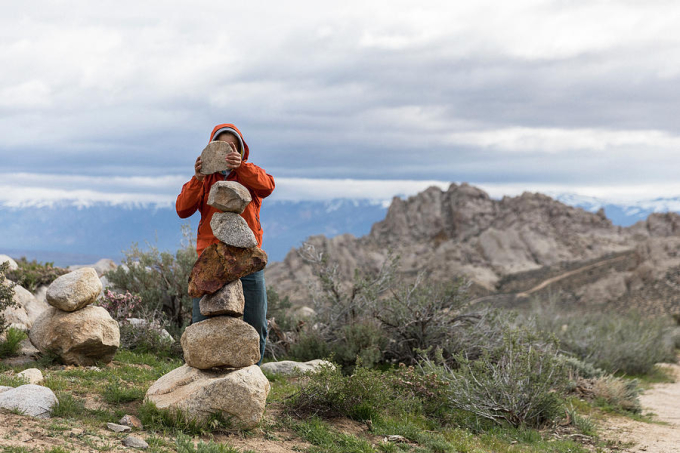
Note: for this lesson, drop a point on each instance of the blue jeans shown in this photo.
(255, 311)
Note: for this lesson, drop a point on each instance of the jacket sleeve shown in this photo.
(189, 199)
(255, 179)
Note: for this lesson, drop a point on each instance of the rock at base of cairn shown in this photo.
(227, 301)
(214, 157)
(82, 337)
(229, 196)
(220, 264)
(238, 395)
(221, 342)
(232, 229)
(74, 290)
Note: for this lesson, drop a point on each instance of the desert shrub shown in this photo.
(32, 274)
(120, 306)
(6, 296)
(309, 345)
(328, 393)
(278, 309)
(148, 338)
(521, 383)
(12, 343)
(161, 279)
(615, 342)
(618, 393)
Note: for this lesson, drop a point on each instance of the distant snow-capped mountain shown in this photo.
(72, 234)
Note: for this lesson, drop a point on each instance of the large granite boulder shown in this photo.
(232, 229)
(214, 157)
(229, 196)
(221, 342)
(74, 290)
(220, 264)
(30, 399)
(26, 309)
(13, 264)
(84, 337)
(229, 300)
(238, 395)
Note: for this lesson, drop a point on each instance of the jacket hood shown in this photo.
(246, 150)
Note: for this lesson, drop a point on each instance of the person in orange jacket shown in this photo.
(194, 197)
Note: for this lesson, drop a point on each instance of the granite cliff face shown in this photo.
(503, 246)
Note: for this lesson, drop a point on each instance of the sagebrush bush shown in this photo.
(161, 279)
(32, 274)
(120, 306)
(6, 295)
(615, 342)
(522, 382)
(363, 395)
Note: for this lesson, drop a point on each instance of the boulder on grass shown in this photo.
(84, 337)
(238, 395)
(74, 290)
(287, 367)
(232, 229)
(228, 301)
(220, 264)
(221, 342)
(30, 399)
(229, 196)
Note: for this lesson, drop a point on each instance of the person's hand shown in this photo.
(233, 158)
(197, 169)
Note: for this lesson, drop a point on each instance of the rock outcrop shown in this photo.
(25, 311)
(464, 232)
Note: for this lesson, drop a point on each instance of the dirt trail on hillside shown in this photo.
(663, 401)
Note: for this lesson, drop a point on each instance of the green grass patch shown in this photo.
(325, 439)
(11, 345)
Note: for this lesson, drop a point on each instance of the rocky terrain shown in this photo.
(509, 249)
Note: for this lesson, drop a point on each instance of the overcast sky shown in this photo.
(114, 100)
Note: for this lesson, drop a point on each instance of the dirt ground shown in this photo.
(662, 401)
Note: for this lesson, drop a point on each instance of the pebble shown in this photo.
(118, 428)
(135, 442)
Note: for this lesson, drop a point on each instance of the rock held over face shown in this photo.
(74, 290)
(229, 196)
(232, 229)
(220, 264)
(238, 395)
(227, 301)
(214, 157)
(221, 342)
(82, 337)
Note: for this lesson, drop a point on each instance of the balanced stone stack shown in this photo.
(220, 375)
(79, 333)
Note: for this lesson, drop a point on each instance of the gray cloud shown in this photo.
(575, 94)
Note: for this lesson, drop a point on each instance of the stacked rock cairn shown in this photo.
(79, 333)
(220, 375)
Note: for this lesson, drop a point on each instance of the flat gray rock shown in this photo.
(116, 428)
(214, 157)
(74, 290)
(227, 301)
(220, 342)
(286, 367)
(232, 229)
(229, 196)
(135, 442)
(30, 399)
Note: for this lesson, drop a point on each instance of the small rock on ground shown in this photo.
(131, 421)
(31, 375)
(118, 428)
(135, 442)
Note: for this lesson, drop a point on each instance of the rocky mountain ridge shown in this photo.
(464, 232)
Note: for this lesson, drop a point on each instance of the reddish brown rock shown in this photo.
(220, 264)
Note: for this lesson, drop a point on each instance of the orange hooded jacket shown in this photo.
(194, 196)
